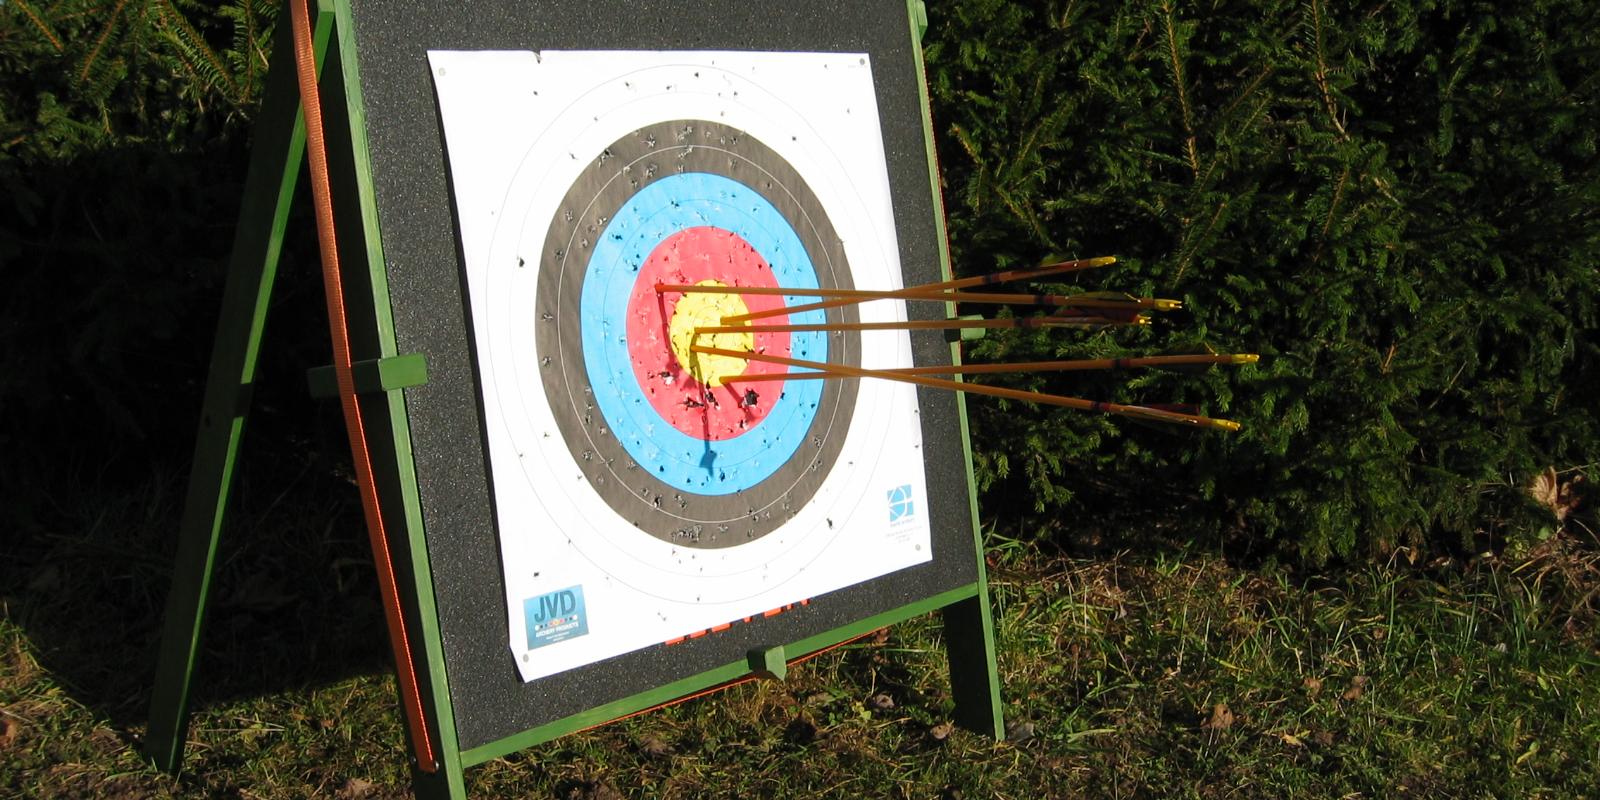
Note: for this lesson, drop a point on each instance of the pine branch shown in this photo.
(1243, 94)
(1190, 251)
(38, 21)
(1333, 208)
(192, 46)
(247, 48)
(1320, 75)
(1167, 14)
(100, 42)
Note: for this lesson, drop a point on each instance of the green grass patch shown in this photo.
(1164, 675)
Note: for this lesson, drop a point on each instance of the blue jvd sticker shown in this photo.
(555, 617)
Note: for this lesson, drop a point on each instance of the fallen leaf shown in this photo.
(653, 746)
(880, 702)
(10, 729)
(818, 699)
(1324, 738)
(1560, 498)
(1533, 750)
(1291, 740)
(941, 731)
(594, 790)
(355, 789)
(879, 636)
(1358, 687)
(1313, 686)
(1545, 489)
(1018, 731)
(1221, 718)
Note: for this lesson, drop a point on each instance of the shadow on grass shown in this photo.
(293, 599)
(98, 406)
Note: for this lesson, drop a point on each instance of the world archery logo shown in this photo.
(901, 508)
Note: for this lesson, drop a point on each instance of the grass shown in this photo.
(1169, 674)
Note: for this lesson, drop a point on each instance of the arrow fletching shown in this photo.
(1100, 317)
(1162, 416)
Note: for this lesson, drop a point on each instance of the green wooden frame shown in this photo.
(382, 376)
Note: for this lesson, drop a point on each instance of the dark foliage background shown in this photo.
(1396, 203)
(123, 139)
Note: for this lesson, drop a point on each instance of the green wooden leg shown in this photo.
(269, 188)
(388, 428)
(446, 784)
(968, 624)
(974, 679)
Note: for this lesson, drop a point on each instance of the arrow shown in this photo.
(1047, 321)
(1081, 365)
(1150, 413)
(990, 279)
(1075, 302)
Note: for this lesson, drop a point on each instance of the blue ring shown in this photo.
(658, 211)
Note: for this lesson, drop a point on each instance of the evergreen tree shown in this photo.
(122, 147)
(1394, 203)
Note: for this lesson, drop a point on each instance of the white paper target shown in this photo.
(641, 495)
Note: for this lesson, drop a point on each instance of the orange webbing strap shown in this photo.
(321, 195)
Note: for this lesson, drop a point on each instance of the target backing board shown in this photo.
(598, 520)
(578, 517)
(643, 495)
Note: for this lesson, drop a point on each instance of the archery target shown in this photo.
(641, 494)
(665, 204)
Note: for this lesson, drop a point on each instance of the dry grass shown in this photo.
(1164, 675)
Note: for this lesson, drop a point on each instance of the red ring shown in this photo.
(690, 256)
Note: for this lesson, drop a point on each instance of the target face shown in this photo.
(642, 493)
(668, 204)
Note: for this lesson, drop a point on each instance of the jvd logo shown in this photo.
(556, 603)
(555, 616)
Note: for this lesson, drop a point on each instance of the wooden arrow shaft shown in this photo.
(842, 370)
(1074, 301)
(1081, 365)
(870, 294)
(990, 279)
(923, 325)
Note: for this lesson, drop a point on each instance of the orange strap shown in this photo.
(321, 196)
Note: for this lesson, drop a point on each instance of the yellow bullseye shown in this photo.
(706, 310)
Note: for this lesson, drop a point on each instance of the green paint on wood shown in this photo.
(969, 625)
(768, 662)
(263, 216)
(372, 375)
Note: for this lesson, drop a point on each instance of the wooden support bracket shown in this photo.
(372, 376)
(769, 662)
